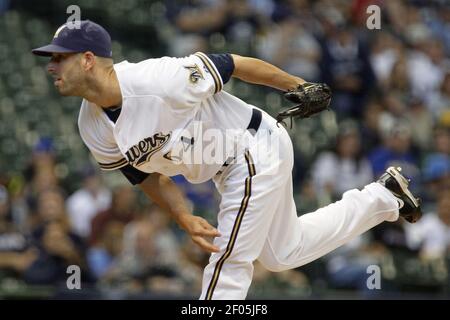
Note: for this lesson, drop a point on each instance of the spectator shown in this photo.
(369, 129)
(58, 249)
(439, 101)
(345, 168)
(165, 238)
(50, 207)
(6, 224)
(40, 172)
(104, 256)
(396, 149)
(398, 83)
(203, 17)
(15, 252)
(397, 251)
(417, 113)
(141, 269)
(345, 66)
(427, 67)
(122, 209)
(436, 176)
(86, 202)
(56, 246)
(293, 48)
(439, 22)
(436, 165)
(385, 53)
(433, 231)
(347, 266)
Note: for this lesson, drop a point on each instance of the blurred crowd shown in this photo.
(391, 106)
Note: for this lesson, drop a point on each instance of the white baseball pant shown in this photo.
(258, 218)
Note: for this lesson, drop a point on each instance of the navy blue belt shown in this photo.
(255, 121)
(252, 127)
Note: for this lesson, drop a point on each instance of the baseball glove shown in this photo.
(310, 98)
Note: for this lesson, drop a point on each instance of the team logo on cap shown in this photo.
(146, 148)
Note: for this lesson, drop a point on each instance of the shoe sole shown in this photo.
(403, 183)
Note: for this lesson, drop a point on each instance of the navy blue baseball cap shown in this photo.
(90, 36)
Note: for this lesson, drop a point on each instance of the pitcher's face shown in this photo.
(67, 72)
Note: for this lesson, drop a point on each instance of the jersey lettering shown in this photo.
(144, 149)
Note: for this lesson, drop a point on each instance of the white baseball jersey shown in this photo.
(172, 111)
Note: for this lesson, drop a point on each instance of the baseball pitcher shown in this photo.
(170, 116)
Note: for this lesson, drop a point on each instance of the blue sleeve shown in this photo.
(224, 64)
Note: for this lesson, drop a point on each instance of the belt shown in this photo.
(255, 121)
(252, 127)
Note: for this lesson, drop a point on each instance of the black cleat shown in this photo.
(395, 182)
